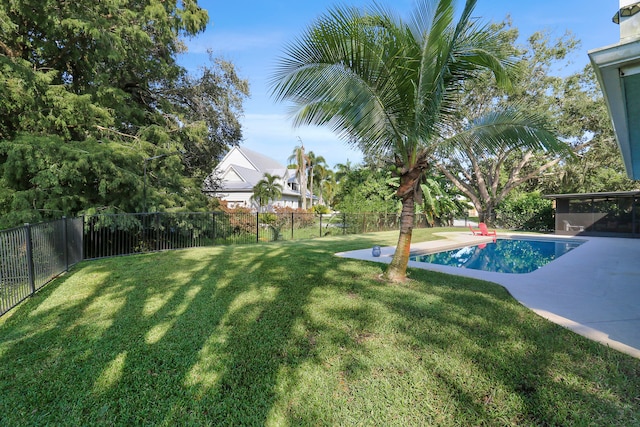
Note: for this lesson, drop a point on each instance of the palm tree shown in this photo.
(313, 162)
(390, 86)
(266, 190)
(343, 170)
(322, 174)
(299, 159)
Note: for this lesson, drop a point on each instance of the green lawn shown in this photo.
(287, 334)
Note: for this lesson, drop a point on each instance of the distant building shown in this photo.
(241, 169)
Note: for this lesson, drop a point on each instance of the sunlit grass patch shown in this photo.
(289, 334)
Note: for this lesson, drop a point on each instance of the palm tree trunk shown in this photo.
(311, 184)
(407, 191)
(397, 270)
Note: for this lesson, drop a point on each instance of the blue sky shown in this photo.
(252, 35)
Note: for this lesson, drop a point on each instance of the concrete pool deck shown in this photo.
(593, 290)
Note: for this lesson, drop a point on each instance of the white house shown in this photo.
(241, 169)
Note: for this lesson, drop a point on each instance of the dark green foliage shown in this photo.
(526, 211)
(88, 90)
(584, 119)
(45, 176)
(365, 190)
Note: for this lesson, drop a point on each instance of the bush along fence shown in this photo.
(33, 255)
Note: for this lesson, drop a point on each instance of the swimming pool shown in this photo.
(502, 256)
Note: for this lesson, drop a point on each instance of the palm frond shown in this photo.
(507, 129)
(455, 54)
(383, 83)
(345, 72)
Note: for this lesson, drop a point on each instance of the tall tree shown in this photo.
(85, 81)
(313, 163)
(206, 109)
(322, 176)
(392, 86)
(487, 178)
(299, 158)
(583, 118)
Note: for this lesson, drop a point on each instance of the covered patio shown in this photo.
(612, 214)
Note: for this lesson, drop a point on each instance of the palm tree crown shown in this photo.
(267, 189)
(301, 161)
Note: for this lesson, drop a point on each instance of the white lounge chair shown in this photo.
(569, 227)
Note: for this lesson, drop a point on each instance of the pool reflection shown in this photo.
(503, 256)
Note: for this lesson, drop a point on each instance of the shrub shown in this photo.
(527, 211)
(321, 210)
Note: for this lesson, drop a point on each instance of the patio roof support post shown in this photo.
(633, 216)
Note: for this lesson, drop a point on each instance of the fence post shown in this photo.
(65, 243)
(320, 226)
(292, 224)
(344, 223)
(257, 227)
(213, 217)
(32, 281)
(156, 218)
(82, 254)
(91, 245)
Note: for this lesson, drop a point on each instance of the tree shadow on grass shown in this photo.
(273, 334)
(184, 337)
(513, 366)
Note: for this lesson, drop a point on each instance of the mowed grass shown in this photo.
(285, 334)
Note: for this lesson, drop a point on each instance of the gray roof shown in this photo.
(261, 162)
(249, 175)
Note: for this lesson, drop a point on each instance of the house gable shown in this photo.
(241, 169)
(236, 157)
(232, 176)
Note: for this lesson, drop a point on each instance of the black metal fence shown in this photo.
(113, 235)
(33, 255)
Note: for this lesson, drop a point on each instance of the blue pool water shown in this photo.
(502, 256)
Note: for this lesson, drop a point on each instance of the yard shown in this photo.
(285, 333)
